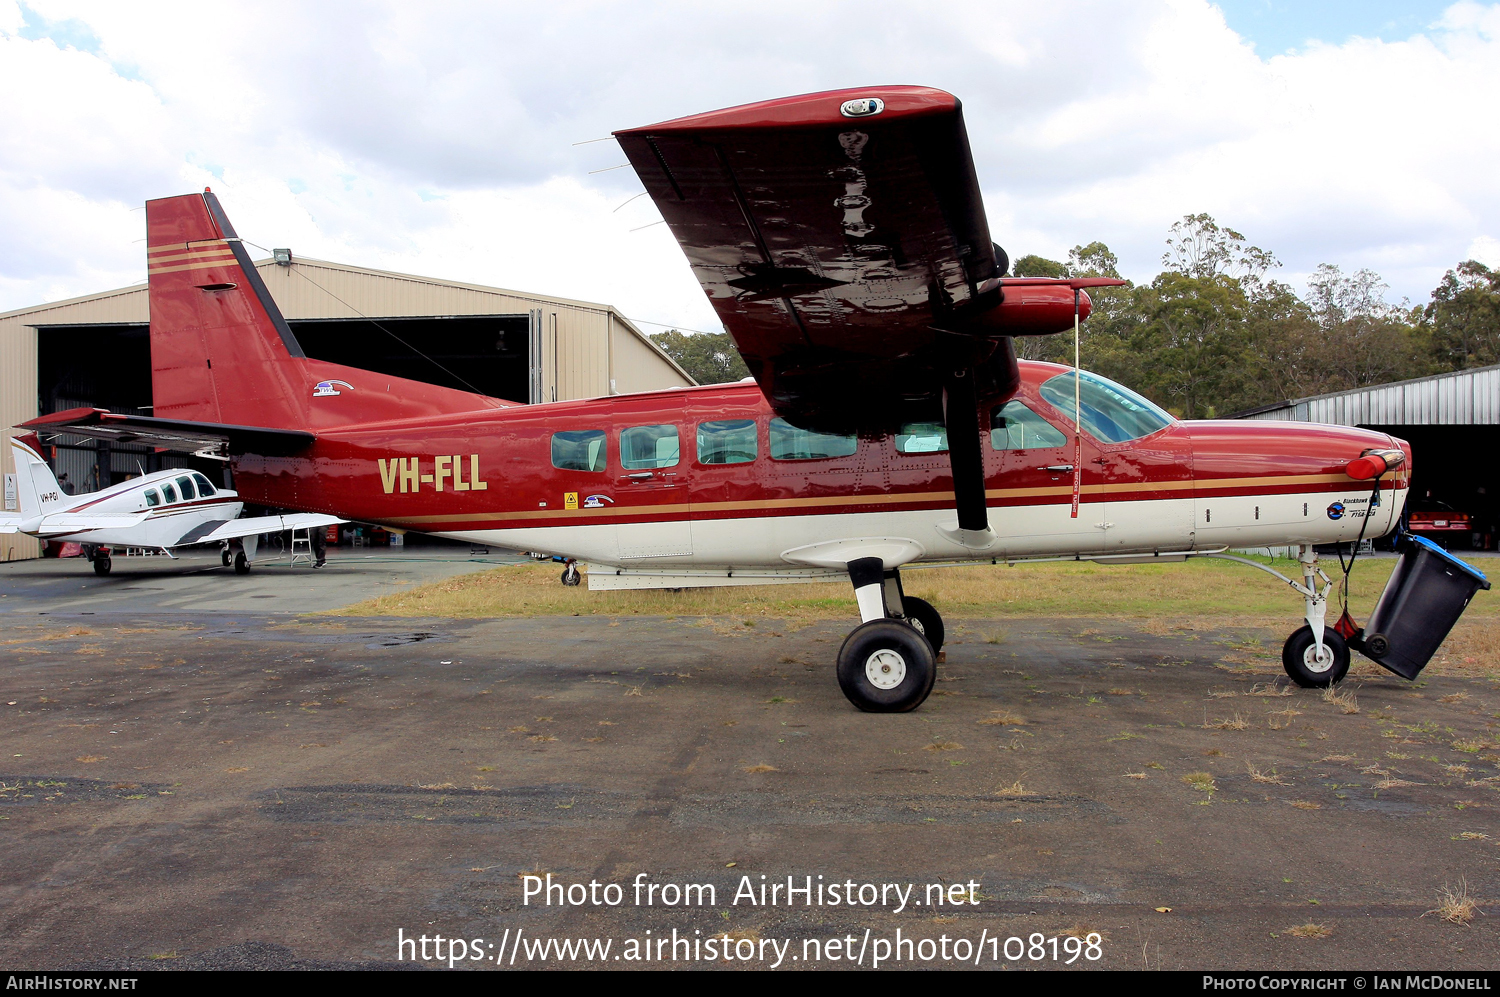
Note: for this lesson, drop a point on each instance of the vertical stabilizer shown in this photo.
(221, 351)
(36, 489)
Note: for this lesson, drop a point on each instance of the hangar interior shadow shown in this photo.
(1452, 469)
(109, 366)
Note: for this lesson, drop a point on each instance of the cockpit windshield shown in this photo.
(1112, 413)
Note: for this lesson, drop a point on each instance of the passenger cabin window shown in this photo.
(1112, 412)
(204, 488)
(579, 450)
(169, 493)
(788, 442)
(186, 484)
(727, 441)
(152, 499)
(922, 437)
(1013, 426)
(645, 447)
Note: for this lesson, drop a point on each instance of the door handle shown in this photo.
(639, 476)
(1058, 468)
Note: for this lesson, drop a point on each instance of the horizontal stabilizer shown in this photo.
(206, 439)
(9, 522)
(236, 528)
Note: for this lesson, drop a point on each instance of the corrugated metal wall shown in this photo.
(17, 404)
(1463, 398)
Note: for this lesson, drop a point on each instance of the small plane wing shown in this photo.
(842, 239)
(82, 522)
(234, 528)
(205, 439)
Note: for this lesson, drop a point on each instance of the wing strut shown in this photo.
(1077, 412)
(966, 458)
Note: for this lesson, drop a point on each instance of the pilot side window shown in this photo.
(1013, 426)
(1111, 412)
(169, 493)
(204, 488)
(152, 499)
(727, 441)
(788, 442)
(186, 484)
(579, 450)
(922, 437)
(644, 447)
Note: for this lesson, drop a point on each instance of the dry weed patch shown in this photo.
(1203, 782)
(1014, 789)
(1237, 722)
(1004, 718)
(1310, 930)
(1456, 906)
(943, 746)
(1345, 700)
(1270, 689)
(1256, 775)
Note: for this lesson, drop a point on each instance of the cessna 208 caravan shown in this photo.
(842, 241)
(161, 511)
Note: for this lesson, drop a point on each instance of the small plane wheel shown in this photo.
(101, 565)
(924, 620)
(886, 666)
(226, 557)
(1300, 658)
(570, 575)
(241, 565)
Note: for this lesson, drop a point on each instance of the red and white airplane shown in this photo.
(841, 239)
(161, 511)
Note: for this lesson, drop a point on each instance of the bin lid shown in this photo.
(1440, 552)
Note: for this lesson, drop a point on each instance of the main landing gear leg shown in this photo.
(1315, 656)
(886, 664)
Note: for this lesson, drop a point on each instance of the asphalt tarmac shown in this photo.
(202, 789)
(197, 581)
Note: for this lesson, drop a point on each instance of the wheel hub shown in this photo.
(1318, 659)
(885, 669)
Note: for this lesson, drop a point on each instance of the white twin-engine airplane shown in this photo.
(163, 510)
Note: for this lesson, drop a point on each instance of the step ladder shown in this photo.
(301, 547)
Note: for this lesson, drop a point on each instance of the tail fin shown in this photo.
(36, 488)
(222, 352)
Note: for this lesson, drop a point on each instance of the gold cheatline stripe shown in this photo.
(858, 500)
(229, 262)
(178, 247)
(215, 253)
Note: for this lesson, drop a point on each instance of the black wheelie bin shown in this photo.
(1426, 595)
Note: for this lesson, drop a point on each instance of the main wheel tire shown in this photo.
(886, 666)
(101, 565)
(570, 575)
(241, 564)
(1299, 656)
(226, 557)
(924, 620)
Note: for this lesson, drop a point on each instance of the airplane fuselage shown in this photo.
(708, 478)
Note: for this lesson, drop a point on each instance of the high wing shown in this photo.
(231, 529)
(842, 240)
(203, 439)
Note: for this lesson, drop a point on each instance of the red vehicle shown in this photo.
(1442, 524)
(842, 240)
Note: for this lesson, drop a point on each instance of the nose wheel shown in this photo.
(1311, 666)
(570, 575)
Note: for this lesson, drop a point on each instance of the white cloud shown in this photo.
(438, 139)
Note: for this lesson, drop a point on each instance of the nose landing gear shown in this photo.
(888, 664)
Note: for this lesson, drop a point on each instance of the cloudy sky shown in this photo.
(440, 138)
